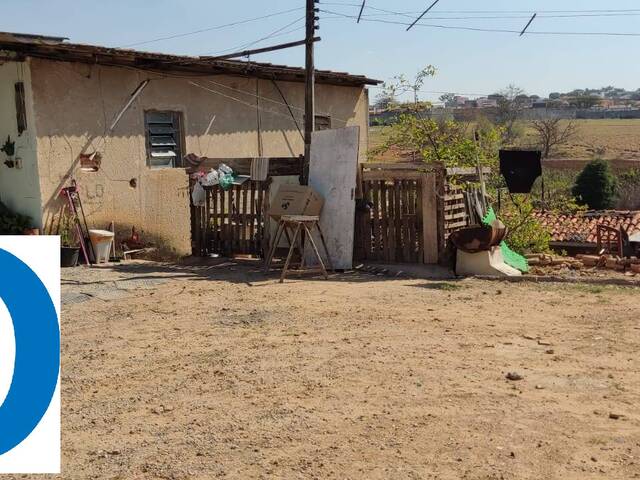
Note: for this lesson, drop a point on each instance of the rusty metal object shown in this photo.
(610, 240)
(479, 238)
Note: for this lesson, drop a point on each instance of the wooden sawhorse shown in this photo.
(298, 224)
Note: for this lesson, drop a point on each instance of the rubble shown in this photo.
(583, 265)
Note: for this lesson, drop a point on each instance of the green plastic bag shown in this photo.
(511, 258)
(226, 181)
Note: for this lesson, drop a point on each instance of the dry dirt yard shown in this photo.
(219, 372)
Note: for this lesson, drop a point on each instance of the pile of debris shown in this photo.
(546, 260)
(584, 265)
(611, 262)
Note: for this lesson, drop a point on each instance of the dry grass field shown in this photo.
(614, 140)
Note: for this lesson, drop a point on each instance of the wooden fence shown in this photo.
(397, 217)
(233, 222)
(404, 213)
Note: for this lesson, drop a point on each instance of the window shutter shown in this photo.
(163, 139)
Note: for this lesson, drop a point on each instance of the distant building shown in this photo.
(487, 102)
(459, 100)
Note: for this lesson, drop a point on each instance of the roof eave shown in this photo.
(69, 52)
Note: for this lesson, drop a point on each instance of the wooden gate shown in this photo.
(397, 219)
(232, 221)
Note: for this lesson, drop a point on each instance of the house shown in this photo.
(120, 122)
(486, 102)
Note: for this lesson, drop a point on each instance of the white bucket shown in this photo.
(101, 241)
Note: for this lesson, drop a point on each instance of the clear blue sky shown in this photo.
(467, 61)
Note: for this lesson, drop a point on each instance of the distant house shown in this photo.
(59, 100)
(459, 100)
(486, 102)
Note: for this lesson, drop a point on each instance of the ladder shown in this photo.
(76, 212)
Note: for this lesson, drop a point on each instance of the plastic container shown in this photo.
(101, 241)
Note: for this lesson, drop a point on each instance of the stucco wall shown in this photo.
(19, 187)
(75, 103)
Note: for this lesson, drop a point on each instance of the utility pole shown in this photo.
(309, 86)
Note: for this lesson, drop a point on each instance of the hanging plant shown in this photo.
(9, 147)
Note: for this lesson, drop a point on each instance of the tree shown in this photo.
(551, 133)
(510, 106)
(444, 142)
(402, 85)
(385, 100)
(584, 101)
(448, 99)
(596, 186)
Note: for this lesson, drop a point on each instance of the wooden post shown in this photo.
(429, 218)
(309, 87)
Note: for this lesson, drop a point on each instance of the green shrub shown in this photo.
(526, 234)
(12, 223)
(596, 186)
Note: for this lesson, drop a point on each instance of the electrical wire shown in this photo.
(272, 100)
(478, 29)
(500, 17)
(209, 29)
(530, 12)
(275, 33)
(250, 105)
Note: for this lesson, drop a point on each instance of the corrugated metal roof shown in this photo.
(55, 48)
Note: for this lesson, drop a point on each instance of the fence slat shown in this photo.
(397, 193)
(384, 221)
(367, 230)
(377, 232)
(245, 217)
(391, 226)
(429, 219)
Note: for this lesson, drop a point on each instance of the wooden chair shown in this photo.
(294, 227)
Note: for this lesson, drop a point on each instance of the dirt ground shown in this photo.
(220, 372)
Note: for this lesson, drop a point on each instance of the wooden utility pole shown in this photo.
(309, 86)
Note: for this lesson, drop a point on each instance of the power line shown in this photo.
(422, 15)
(275, 33)
(271, 100)
(209, 29)
(361, 9)
(530, 12)
(250, 105)
(492, 30)
(528, 24)
(388, 13)
(443, 92)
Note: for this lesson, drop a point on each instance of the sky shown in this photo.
(468, 61)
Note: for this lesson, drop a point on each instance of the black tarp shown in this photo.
(520, 168)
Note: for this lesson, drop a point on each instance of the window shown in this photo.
(323, 122)
(164, 139)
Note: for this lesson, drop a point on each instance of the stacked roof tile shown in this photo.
(582, 227)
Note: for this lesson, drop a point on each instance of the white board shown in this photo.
(332, 173)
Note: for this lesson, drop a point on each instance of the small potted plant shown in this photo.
(69, 249)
